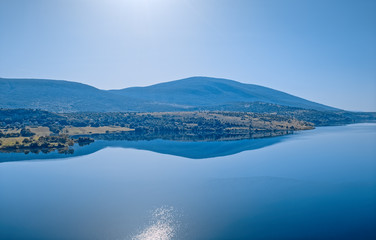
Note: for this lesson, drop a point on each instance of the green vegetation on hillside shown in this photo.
(318, 118)
(23, 129)
(37, 130)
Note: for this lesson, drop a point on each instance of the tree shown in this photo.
(26, 132)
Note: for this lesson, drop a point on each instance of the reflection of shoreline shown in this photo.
(188, 149)
(26, 151)
(134, 136)
(199, 137)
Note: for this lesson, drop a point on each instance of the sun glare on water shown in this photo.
(163, 225)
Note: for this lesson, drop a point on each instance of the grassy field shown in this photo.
(40, 131)
(11, 141)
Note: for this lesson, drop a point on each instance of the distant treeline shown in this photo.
(173, 122)
(318, 118)
(267, 120)
(23, 133)
(176, 121)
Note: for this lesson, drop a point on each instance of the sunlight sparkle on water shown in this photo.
(163, 225)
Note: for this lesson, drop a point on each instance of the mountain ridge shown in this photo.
(207, 91)
(194, 93)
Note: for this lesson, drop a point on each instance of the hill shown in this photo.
(208, 92)
(65, 96)
(196, 93)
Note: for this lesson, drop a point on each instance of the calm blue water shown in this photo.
(318, 184)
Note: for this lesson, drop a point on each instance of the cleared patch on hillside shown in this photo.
(40, 131)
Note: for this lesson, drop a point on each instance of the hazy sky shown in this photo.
(322, 50)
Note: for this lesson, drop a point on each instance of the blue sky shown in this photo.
(321, 50)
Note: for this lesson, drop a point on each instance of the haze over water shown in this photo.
(317, 184)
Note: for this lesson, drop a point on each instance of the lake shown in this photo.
(316, 184)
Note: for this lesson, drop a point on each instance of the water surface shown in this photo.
(318, 184)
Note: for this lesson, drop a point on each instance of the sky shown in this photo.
(321, 50)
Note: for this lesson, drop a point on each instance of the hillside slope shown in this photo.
(65, 96)
(196, 93)
(205, 91)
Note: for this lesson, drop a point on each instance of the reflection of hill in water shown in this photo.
(193, 150)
